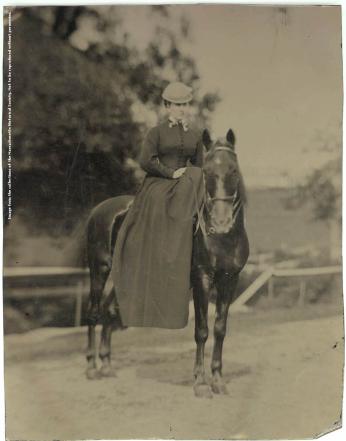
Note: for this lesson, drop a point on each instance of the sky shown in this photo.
(279, 77)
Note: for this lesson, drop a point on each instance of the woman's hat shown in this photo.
(177, 93)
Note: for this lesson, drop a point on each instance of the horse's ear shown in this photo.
(206, 139)
(231, 137)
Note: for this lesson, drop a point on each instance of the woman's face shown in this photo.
(178, 111)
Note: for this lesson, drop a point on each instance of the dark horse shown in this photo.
(220, 251)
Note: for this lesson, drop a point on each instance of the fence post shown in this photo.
(251, 290)
(302, 292)
(271, 288)
(79, 299)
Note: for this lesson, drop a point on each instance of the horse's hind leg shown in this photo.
(91, 372)
(200, 297)
(225, 285)
(110, 322)
(98, 278)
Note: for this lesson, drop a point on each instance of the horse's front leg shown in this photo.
(200, 298)
(225, 285)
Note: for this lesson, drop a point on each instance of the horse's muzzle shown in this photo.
(221, 219)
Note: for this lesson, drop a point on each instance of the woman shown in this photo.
(152, 257)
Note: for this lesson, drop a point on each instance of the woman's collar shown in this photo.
(172, 122)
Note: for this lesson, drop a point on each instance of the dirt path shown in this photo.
(284, 382)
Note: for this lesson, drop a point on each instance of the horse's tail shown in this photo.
(76, 250)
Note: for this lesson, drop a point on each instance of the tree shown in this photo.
(76, 131)
(322, 190)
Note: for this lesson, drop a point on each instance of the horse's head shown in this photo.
(224, 184)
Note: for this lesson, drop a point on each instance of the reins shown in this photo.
(200, 220)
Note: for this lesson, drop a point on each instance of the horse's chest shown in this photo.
(213, 254)
(221, 253)
(213, 261)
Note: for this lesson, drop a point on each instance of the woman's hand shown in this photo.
(179, 172)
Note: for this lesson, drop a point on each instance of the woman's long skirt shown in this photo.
(152, 257)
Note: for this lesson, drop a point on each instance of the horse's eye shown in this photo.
(211, 175)
(211, 184)
(231, 181)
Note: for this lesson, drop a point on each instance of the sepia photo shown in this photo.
(172, 209)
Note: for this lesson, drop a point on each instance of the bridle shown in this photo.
(210, 200)
(234, 199)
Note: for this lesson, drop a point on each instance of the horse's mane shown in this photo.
(222, 142)
(242, 189)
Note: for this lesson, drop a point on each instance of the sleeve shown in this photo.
(149, 157)
(197, 158)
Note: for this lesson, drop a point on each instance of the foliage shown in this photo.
(322, 187)
(74, 125)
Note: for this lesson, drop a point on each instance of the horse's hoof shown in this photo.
(202, 390)
(218, 386)
(93, 374)
(108, 371)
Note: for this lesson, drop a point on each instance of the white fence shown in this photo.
(31, 282)
(269, 275)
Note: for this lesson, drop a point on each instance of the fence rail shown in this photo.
(47, 282)
(33, 271)
(30, 282)
(299, 272)
(268, 276)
